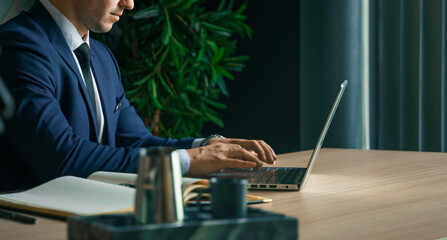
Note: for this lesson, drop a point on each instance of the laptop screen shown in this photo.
(324, 131)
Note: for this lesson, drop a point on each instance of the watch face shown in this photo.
(207, 139)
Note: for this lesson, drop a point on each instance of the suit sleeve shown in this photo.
(40, 135)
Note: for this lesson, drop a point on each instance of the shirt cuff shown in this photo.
(197, 142)
(184, 161)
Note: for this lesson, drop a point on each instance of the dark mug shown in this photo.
(228, 197)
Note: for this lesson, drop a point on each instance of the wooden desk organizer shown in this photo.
(259, 224)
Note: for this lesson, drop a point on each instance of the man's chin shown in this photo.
(102, 29)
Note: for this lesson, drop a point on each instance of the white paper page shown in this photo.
(188, 181)
(76, 195)
(114, 177)
(128, 178)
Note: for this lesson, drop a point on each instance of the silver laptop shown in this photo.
(282, 178)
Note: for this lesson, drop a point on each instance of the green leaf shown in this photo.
(213, 46)
(185, 99)
(241, 17)
(199, 56)
(224, 72)
(153, 88)
(216, 58)
(194, 110)
(240, 10)
(167, 28)
(173, 110)
(221, 5)
(165, 85)
(248, 30)
(206, 85)
(131, 91)
(235, 69)
(232, 66)
(185, 4)
(178, 44)
(237, 59)
(222, 85)
(216, 28)
(213, 103)
(220, 14)
(147, 13)
(143, 80)
(163, 58)
(213, 76)
(175, 57)
(142, 103)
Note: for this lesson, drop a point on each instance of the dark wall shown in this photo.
(264, 97)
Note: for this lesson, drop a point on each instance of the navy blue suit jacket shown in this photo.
(53, 132)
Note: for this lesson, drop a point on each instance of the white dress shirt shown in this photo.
(74, 40)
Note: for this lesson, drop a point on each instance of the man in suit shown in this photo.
(72, 116)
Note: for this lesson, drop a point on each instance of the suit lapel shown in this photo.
(48, 25)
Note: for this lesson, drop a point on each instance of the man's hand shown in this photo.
(222, 153)
(264, 152)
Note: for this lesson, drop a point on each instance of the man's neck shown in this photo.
(67, 9)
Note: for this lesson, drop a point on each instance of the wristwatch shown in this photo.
(207, 139)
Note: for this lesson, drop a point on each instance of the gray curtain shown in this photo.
(407, 73)
(331, 52)
(411, 89)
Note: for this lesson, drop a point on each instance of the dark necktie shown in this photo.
(83, 55)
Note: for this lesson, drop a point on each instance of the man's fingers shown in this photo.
(264, 151)
(242, 153)
(272, 153)
(237, 163)
(261, 151)
(261, 148)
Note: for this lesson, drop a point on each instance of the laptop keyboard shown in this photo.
(275, 175)
(265, 175)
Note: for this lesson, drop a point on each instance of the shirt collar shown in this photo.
(71, 34)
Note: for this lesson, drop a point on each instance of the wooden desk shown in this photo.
(358, 194)
(351, 194)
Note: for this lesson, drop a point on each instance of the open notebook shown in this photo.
(65, 196)
(101, 193)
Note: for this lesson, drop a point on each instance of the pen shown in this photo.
(17, 217)
(127, 185)
(205, 203)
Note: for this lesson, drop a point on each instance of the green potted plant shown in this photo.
(175, 56)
